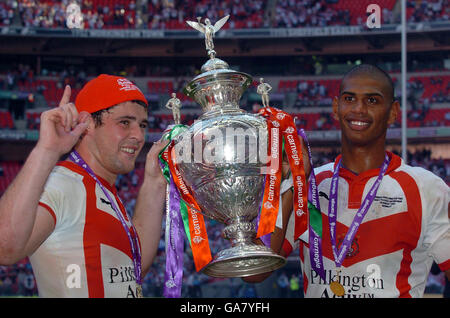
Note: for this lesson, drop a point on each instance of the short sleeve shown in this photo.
(62, 196)
(51, 199)
(437, 227)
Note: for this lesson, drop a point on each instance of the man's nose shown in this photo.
(137, 132)
(360, 106)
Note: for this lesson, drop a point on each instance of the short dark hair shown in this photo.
(98, 115)
(373, 70)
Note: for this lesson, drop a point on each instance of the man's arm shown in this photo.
(149, 210)
(61, 128)
(19, 204)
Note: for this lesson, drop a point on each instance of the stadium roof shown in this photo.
(250, 42)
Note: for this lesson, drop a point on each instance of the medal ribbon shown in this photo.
(134, 242)
(339, 255)
(284, 122)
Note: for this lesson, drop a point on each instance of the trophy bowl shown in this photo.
(220, 158)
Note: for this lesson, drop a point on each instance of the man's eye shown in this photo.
(144, 125)
(125, 122)
(348, 98)
(372, 100)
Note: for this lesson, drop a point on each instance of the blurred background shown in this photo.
(301, 48)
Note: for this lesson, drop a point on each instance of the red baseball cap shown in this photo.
(105, 91)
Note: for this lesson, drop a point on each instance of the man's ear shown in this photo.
(393, 113)
(91, 124)
(335, 105)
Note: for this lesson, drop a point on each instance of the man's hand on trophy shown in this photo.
(152, 167)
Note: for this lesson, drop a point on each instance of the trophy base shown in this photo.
(243, 261)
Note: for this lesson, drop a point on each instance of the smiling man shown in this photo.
(67, 215)
(378, 223)
(384, 222)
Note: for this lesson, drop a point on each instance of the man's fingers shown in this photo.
(66, 96)
(83, 117)
(66, 113)
(71, 116)
(73, 112)
(67, 116)
(79, 129)
(158, 146)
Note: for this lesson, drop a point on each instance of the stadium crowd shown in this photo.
(172, 14)
(424, 91)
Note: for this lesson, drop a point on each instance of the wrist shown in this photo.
(155, 181)
(45, 155)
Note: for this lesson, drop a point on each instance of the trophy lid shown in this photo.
(214, 64)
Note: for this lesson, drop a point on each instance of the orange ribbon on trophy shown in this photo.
(197, 235)
(281, 127)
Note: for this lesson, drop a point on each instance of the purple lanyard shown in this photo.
(135, 248)
(339, 255)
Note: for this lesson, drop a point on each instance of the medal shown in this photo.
(335, 286)
(139, 293)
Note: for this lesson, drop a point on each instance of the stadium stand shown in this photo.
(120, 14)
(317, 94)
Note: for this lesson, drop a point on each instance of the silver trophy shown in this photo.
(220, 158)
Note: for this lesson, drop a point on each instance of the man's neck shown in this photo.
(96, 167)
(362, 158)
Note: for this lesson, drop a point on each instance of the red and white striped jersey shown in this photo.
(405, 229)
(88, 254)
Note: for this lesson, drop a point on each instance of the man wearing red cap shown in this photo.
(66, 215)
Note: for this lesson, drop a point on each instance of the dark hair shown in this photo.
(373, 70)
(98, 115)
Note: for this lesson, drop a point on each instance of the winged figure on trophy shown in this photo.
(208, 30)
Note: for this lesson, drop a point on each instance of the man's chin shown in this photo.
(357, 140)
(125, 168)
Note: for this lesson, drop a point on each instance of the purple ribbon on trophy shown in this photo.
(175, 222)
(174, 243)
